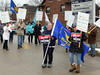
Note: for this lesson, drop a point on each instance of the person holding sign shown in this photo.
(12, 27)
(92, 39)
(20, 27)
(49, 48)
(7, 30)
(37, 32)
(75, 38)
(1, 31)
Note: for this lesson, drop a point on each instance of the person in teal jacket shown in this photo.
(29, 29)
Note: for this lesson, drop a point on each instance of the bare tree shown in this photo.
(35, 2)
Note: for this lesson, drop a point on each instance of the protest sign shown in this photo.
(67, 14)
(39, 15)
(70, 20)
(55, 16)
(21, 13)
(97, 23)
(4, 17)
(82, 21)
(44, 39)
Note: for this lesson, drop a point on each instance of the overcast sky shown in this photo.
(21, 2)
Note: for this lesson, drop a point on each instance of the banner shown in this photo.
(4, 16)
(82, 22)
(55, 16)
(21, 13)
(67, 15)
(39, 15)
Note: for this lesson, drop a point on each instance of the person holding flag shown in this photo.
(76, 48)
(49, 48)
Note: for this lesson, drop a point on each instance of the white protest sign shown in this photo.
(97, 23)
(39, 15)
(4, 16)
(55, 16)
(67, 14)
(21, 13)
(70, 20)
(82, 21)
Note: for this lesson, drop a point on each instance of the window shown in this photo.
(48, 10)
(50, 0)
(62, 8)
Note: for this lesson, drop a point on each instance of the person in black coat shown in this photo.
(37, 32)
(50, 47)
(75, 48)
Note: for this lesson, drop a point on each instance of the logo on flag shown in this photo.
(13, 7)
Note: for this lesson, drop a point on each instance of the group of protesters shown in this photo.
(7, 32)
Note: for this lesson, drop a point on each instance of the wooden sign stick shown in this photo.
(92, 29)
(80, 42)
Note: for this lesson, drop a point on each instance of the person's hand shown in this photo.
(43, 35)
(51, 37)
(18, 26)
(88, 32)
(8, 30)
(22, 28)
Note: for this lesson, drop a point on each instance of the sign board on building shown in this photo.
(39, 15)
(67, 14)
(21, 13)
(55, 16)
(82, 21)
(4, 17)
(85, 6)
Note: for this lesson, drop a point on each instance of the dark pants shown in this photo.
(37, 38)
(1, 38)
(11, 36)
(30, 35)
(49, 53)
(5, 45)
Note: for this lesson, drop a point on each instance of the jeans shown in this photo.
(49, 54)
(20, 39)
(5, 45)
(37, 38)
(11, 36)
(30, 35)
(78, 55)
(92, 49)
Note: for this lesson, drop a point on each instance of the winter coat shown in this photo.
(53, 41)
(6, 33)
(92, 36)
(20, 31)
(45, 27)
(75, 45)
(1, 29)
(37, 29)
(29, 29)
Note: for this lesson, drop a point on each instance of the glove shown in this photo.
(22, 28)
(8, 30)
(43, 35)
(88, 32)
(18, 26)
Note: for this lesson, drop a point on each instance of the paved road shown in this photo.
(28, 61)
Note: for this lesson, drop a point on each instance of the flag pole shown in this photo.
(46, 52)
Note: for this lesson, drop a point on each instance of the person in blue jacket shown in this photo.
(29, 29)
(50, 47)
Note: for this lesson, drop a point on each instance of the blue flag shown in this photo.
(62, 34)
(34, 20)
(13, 7)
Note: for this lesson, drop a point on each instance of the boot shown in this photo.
(78, 69)
(72, 67)
(18, 46)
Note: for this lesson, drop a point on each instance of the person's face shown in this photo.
(49, 27)
(0, 22)
(74, 27)
(7, 24)
(67, 26)
(37, 23)
(91, 25)
(11, 23)
(20, 20)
